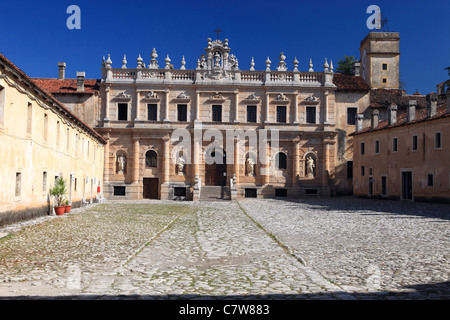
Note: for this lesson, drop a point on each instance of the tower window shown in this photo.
(384, 66)
(384, 80)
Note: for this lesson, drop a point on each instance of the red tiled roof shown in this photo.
(421, 116)
(350, 82)
(49, 96)
(382, 98)
(53, 85)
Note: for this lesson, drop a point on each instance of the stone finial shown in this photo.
(183, 64)
(225, 44)
(310, 65)
(124, 62)
(252, 65)
(108, 62)
(326, 66)
(153, 62)
(282, 63)
(392, 114)
(331, 66)
(139, 62)
(167, 60)
(198, 64)
(268, 62)
(411, 111)
(103, 62)
(296, 64)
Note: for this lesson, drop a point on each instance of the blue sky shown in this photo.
(35, 37)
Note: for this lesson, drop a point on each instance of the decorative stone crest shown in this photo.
(123, 95)
(281, 97)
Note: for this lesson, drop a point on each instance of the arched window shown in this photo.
(151, 159)
(281, 160)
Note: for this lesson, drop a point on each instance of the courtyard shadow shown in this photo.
(435, 291)
(377, 206)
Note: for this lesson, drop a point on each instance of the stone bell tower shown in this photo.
(380, 54)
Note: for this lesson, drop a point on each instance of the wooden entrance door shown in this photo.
(215, 173)
(407, 193)
(151, 187)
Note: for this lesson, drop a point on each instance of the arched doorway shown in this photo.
(216, 167)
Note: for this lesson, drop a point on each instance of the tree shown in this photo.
(345, 65)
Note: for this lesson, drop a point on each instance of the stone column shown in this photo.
(325, 108)
(107, 168)
(296, 162)
(197, 107)
(236, 107)
(166, 107)
(166, 160)
(325, 162)
(107, 89)
(266, 110)
(236, 159)
(295, 118)
(136, 160)
(138, 104)
(266, 167)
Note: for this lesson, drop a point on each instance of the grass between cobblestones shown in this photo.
(100, 236)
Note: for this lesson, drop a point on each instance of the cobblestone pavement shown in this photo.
(268, 249)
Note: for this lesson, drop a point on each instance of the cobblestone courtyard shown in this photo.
(336, 248)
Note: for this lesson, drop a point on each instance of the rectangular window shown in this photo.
(122, 111)
(152, 112)
(363, 171)
(18, 184)
(182, 112)
(384, 80)
(45, 127)
(363, 148)
(29, 118)
(377, 146)
(217, 113)
(310, 114)
(119, 191)
(44, 181)
(414, 143)
(395, 144)
(437, 140)
(251, 113)
(351, 115)
(384, 66)
(281, 114)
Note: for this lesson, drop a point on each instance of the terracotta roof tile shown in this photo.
(350, 82)
(53, 85)
(421, 116)
(382, 98)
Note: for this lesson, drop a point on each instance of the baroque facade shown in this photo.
(293, 114)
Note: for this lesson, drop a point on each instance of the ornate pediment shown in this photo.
(312, 99)
(183, 97)
(252, 98)
(123, 96)
(151, 96)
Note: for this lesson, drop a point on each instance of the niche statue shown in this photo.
(121, 164)
(310, 166)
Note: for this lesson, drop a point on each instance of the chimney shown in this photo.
(62, 70)
(356, 68)
(359, 122)
(448, 101)
(432, 104)
(392, 109)
(411, 111)
(375, 118)
(80, 81)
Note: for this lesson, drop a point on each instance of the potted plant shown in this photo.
(67, 206)
(59, 192)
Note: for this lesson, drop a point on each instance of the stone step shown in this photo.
(214, 193)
